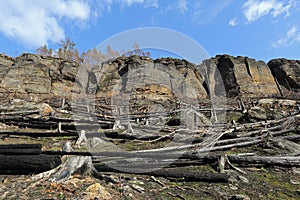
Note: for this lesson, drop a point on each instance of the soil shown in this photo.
(258, 183)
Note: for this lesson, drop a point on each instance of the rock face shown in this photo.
(141, 80)
(151, 85)
(145, 83)
(242, 76)
(287, 74)
(5, 64)
(36, 78)
(134, 73)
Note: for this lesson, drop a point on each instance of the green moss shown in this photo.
(65, 115)
(233, 116)
(57, 148)
(280, 188)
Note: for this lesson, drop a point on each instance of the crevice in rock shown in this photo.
(205, 86)
(248, 68)
(279, 74)
(278, 86)
(60, 68)
(292, 83)
(226, 70)
(123, 74)
(123, 70)
(286, 73)
(91, 86)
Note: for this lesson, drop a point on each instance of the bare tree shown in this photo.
(68, 49)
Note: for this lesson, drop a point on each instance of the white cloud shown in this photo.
(204, 13)
(292, 32)
(233, 22)
(255, 9)
(147, 3)
(37, 22)
(219, 6)
(292, 36)
(182, 6)
(99, 7)
(130, 2)
(152, 3)
(179, 7)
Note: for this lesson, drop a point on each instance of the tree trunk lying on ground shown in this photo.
(286, 161)
(28, 164)
(184, 175)
(21, 149)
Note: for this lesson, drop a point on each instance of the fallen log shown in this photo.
(54, 125)
(84, 165)
(183, 175)
(200, 148)
(286, 161)
(28, 112)
(294, 138)
(154, 164)
(20, 146)
(28, 164)
(264, 124)
(40, 134)
(74, 119)
(257, 132)
(278, 133)
(21, 149)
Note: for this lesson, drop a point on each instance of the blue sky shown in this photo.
(261, 29)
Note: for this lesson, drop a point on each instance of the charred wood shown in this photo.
(28, 164)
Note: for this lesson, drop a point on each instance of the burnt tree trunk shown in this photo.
(27, 164)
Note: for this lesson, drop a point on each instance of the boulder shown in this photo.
(262, 113)
(271, 108)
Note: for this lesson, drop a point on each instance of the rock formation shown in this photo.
(142, 80)
(242, 76)
(147, 84)
(36, 78)
(287, 74)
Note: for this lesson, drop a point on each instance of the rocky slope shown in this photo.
(142, 80)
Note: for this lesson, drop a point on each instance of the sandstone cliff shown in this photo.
(36, 78)
(143, 81)
(242, 76)
(287, 74)
(165, 76)
(155, 83)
